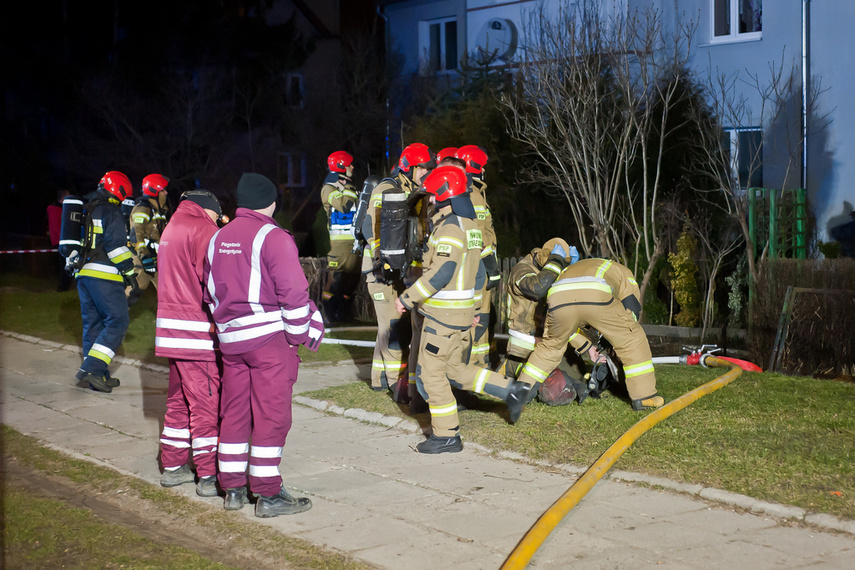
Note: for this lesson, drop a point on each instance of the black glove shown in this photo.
(149, 263)
(131, 281)
(494, 277)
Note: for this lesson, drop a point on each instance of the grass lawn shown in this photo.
(773, 437)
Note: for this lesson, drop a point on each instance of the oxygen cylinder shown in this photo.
(393, 230)
(72, 227)
(361, 209)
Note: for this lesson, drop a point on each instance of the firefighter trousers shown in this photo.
(480, 353)
(256, 407)
(616, 323)
(104, 311)
(343, 280)
(442, 364)
(393, 335)
(192, 416)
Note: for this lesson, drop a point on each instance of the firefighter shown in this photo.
(148, 218)
(475, 158)
(259, 300)
(107, 266)
(446, 297)
(389, 368)
(339, 197)
(528, 283)
(185, 335)
(604, 295)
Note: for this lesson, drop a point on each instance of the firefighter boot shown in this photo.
(516, 399)
(435, 444)
(648, 403)
(98, 383)
(113, 382)
(281, 504)
(207, 486)
(175, 477)
(235, 499)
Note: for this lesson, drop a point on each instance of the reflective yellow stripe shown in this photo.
(633, 281)
(603, 268)
(520, 343)
(531, 370)
(377, 365)
(100, 275)
(639, 369)
(480, 348)
(99, 355)
(591, 286)
(450, 240)
(448, 304)
(553, 267)
(441, 411)
(421, 289)
(481, 381)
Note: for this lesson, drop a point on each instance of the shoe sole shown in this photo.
(267, 515)
(175, 484)
(105, 389)
(455, 449)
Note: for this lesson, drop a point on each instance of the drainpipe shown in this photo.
(805, 87)
(385, 54)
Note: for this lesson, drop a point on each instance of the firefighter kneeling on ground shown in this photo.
(604, 295)
(148, 220)
(107, 265)
(338, 196)
(445, 295)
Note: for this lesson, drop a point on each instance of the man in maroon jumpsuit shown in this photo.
(185, 334)
(259, 299)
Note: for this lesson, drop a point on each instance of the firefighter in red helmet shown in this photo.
(338, 196)
(445, 295)
(389, 366)
(148, 219)
(475, 158)
(107, 266)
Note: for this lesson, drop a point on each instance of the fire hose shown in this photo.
(528, 545)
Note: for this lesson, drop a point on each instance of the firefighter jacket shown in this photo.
(108, 256)
(485, 224)
(148, 219)
(255, 286)
(528, 285)
(618, 278)
(184, 327)
(371, 223)
(452, 272)
(339, 197)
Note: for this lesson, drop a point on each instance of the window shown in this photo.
(438, 43)
(736, 20)
(292, 169)
(295, 95)
(745, 146)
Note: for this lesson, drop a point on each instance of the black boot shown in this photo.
(98, 383)
(435, 444)
(236, 498)
(517, 399)
(281, 504)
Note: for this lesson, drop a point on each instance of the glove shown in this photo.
(71, 262)
(558, 250)
(131, 281)
(316, 329)
(149, 264)
(493, 280)
(574, 256)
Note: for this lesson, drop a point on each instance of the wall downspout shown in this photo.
(386, 55)
(805, 88)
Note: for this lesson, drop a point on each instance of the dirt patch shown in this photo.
(223, 543)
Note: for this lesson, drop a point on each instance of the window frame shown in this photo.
(291, 163)
(734, 36)
(425, 45)
(735, 156)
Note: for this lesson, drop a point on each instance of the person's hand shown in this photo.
(399, 306)
(558, 250)
(149, 264)
(595, 355)
(476, 320)
(574, 254)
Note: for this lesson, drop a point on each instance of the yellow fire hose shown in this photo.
(528, 545)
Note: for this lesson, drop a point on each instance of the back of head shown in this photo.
(153, 184)
(547, 248)
(416, 154)
(475, 158)
(116, 184)
(255, 191)
(204, 198)
(450, 187)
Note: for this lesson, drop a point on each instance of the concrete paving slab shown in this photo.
(378, 501)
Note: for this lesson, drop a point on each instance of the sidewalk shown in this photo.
(379, 501)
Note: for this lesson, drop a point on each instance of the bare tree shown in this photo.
(592, 110)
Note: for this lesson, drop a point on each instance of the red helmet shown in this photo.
(446, 182)
(339, 161)
(416, 154)
(447, 151)
(116, 184)
(474, 156)
(153, 184)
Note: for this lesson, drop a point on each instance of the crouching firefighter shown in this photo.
(385, 262)
(106, 266)
(445, 297)
(602, 294)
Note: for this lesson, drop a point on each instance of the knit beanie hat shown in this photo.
(204, 198)
(255, 191)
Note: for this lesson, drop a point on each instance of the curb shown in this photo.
(725, 498)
